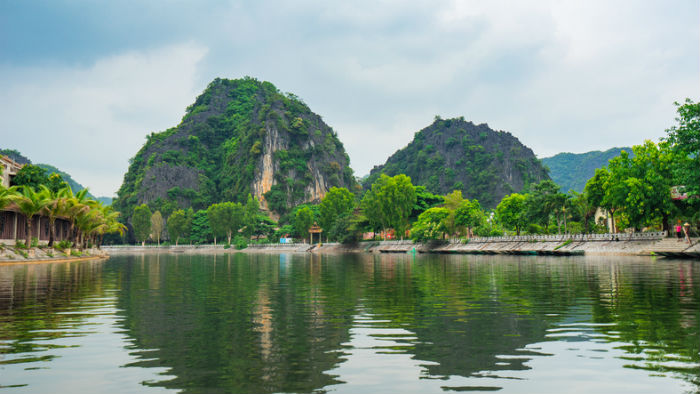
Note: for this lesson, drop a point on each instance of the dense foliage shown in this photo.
(453, 154)
(571, 171)
(90, 220)
(49, 170)
(236, 133)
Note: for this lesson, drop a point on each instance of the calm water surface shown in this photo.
(242, 323)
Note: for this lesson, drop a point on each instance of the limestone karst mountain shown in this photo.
(454, 154)
(240, 137)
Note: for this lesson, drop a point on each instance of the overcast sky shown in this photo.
(83, 82)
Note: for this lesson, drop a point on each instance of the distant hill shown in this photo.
(453, 154)
(571, 171)
(74, 185)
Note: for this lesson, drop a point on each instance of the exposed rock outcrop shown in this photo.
(240, 137)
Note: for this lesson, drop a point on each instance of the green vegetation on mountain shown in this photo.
(239, 138)
(571, 171)
(49, 169)
(453, 154)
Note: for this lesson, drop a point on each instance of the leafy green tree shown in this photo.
(141, 221)
(470, 215)
(176, 225)
(31, 175)
(424, 200)
(684, 139)
(218, 216)
(157, 226)
(55, 182)
(250, 215)
(511, 212)
(641, 184)
(451, 202)
(189, 216)
(431, 224)
(542, 201)
(336, 203)
(390, 202)
(201, 231)
(303, 220)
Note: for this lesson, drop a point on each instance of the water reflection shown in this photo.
(312, 323)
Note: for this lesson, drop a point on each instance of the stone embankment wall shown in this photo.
(593, 244)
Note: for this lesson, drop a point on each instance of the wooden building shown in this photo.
(13, 226)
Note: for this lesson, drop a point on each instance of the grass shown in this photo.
(568, 241)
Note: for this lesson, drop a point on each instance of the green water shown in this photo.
(360, 323)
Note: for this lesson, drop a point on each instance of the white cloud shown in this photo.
(89, 120)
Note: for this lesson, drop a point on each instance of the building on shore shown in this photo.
(13, 227)
(9, 170)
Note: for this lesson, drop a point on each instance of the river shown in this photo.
(354, 323)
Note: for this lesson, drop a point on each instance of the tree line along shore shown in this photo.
(652, 190)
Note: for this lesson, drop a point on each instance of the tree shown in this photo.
(581, 203)
(30, 175)
(389, 202)
(424, 200)
(217, 215)
(157, 226)
(336, 203)
(641, 185)
(176, 225)
(55, 182)
(57, 205)
(201, 231)
(511, 213)
(7, 195)
(303, 220)
(30, 203)
(469, 214)
(141, 221)
(542, 201)
(684, 140)
(250, 215)
(225, 218)
(430, 224)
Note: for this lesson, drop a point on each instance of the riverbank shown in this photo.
(10, 255)
(646, 244)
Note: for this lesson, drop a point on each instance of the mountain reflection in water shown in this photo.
(265, 323)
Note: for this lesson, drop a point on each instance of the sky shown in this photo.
(83, 82)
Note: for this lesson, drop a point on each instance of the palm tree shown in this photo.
(105, 223)
(87, 221)
(30, 203)
(57, 206)
(6, 195)
(77, 205)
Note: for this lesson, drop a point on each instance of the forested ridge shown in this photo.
(240, 137)
(454, 154)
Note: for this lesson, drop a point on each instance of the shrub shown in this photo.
(20, 245)
(65, 244)
(240, 242)
(75, 253)
(35, 242)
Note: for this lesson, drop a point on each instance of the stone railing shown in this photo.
(648, 236)
(182, 246)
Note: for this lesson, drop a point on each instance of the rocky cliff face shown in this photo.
(454, 154)
(240, 137)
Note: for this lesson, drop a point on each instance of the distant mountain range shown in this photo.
(571, 171)
(74, 185)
